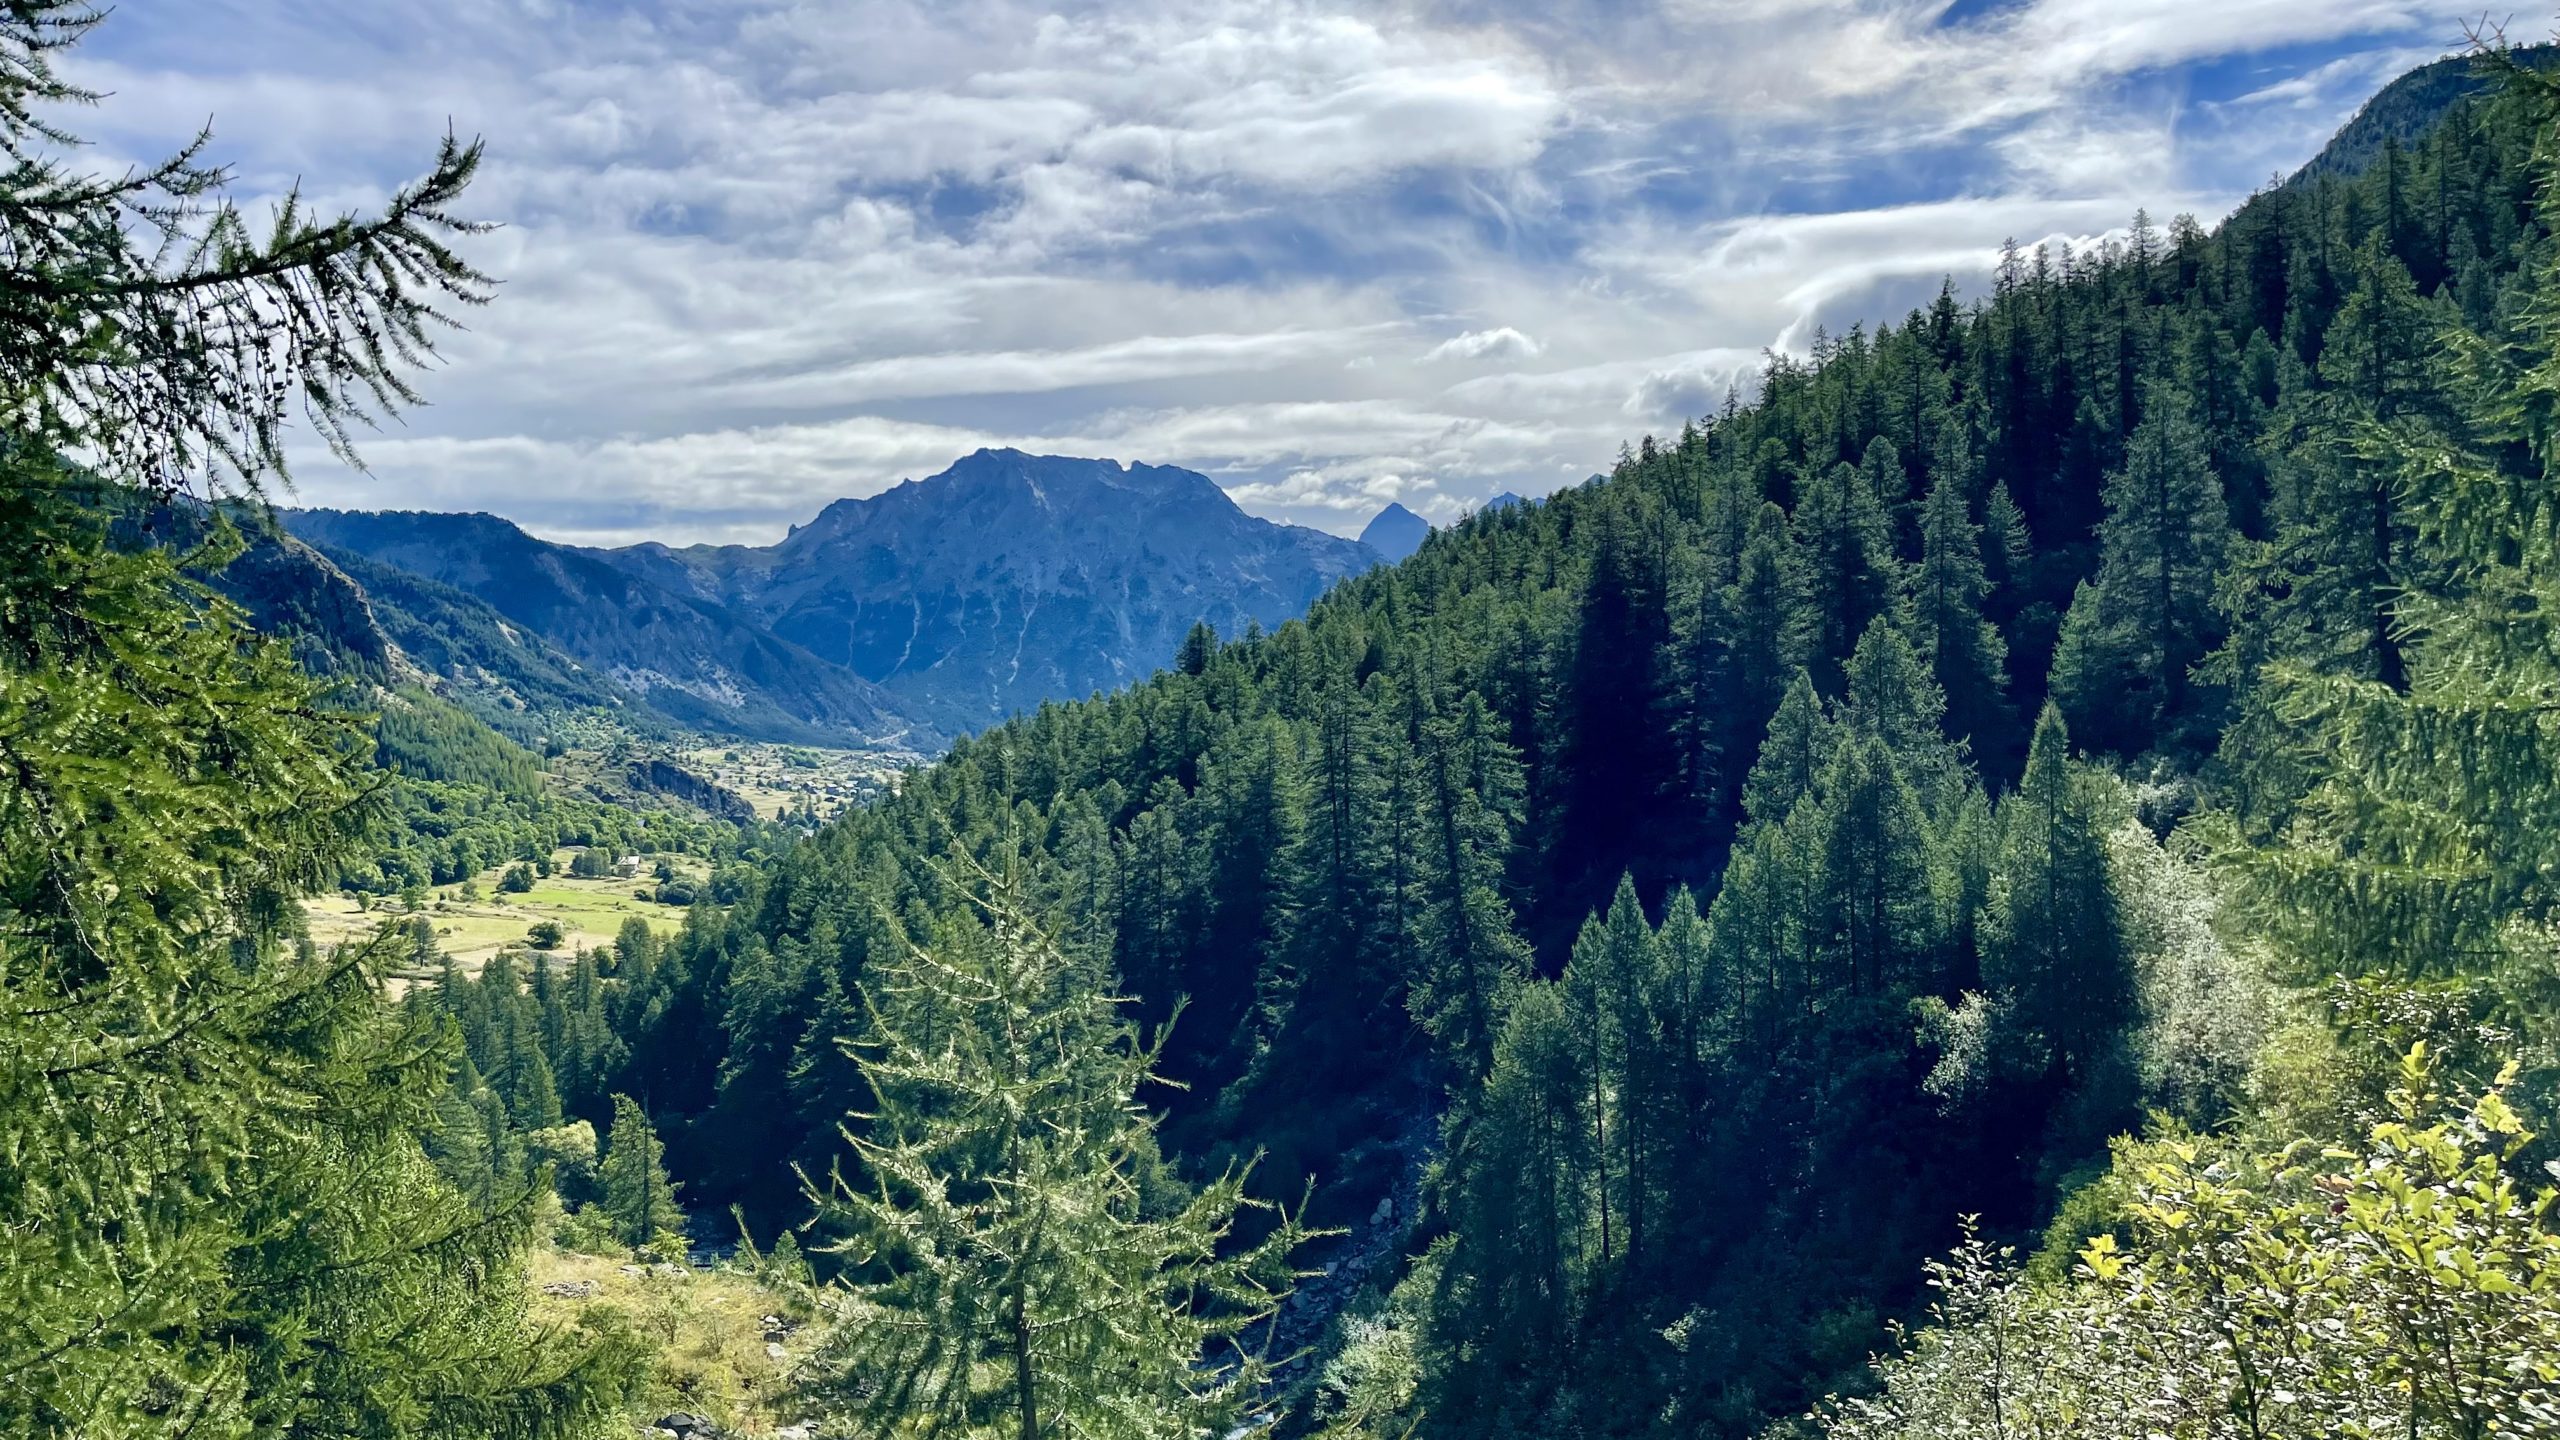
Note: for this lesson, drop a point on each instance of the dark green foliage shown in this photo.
(1774, 668)
(2137, 628)
(2051, 941)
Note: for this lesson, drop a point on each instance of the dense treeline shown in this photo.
(2117, 707)
(1707, 844)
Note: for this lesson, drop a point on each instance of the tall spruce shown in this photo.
(638, 1197)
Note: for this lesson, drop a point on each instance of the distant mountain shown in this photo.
(2409, 107)
(689, 658)
(1396, 532)
(1010, 579)
(1503, 500)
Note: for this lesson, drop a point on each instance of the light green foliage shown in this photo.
(2406, 1288)
(1008, 1273)
(2207, 1010)
(633, 1178)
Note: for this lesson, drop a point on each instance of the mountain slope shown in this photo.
(1691, 1183)
(465, 642)
(1010, 579)
(2408, 108)
(1395, 532)
(689, 658)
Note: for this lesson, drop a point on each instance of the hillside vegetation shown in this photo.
(2001, 884)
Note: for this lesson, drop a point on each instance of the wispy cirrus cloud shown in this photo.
(761, 253)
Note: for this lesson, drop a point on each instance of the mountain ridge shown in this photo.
(687, 658)
(1010, 578)
(934, 608)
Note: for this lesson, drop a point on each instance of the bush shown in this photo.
(545, 935)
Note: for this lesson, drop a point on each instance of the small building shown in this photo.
(627, 867)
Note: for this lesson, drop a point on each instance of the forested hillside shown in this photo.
(1740, 868)
(2022, 846)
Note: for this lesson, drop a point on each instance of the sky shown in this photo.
(757, 255)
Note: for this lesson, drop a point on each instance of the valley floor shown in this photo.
(588, 911)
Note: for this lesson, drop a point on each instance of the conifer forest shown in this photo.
(2003, 881)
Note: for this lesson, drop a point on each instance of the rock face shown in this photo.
(1010, 579)
(687, 657)
(1396, 532)
(663, 777)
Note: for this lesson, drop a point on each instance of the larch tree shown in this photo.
(2137, 628)
(221, 1217)
(633, 1175)
(1008, 1272)
(1964, 652)
(2052, 944)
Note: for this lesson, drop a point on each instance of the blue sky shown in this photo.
(760, 254)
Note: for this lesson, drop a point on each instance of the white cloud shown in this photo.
(762, 253)
(1503, 343)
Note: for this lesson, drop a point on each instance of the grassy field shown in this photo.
(588, 912)
(713, 1355)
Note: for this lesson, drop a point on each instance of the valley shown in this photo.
(475, 920)
(1991, 875)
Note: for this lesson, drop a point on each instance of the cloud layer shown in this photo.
(759, 254)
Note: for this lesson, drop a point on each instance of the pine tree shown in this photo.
(826, 1084)
(2324, 590)
(1609, 991)
(1792, 755)
(1876, 904)
(1846, 540)
(1892, 699)
(1522, 1216)
(2408, 833)
(1469, 956)
(1007, 1276)
(1769, 636)
(633, 1176)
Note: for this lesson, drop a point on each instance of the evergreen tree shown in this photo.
(222, 1217)
(1469, 957)
(2407, 832)
(1846, 539)
(1792, 755)
(1876, 904)
(1008, 1275)
(633, 1176)
(1500, 1324)
(1770, 635)
(2135, 631)
(1963, 651)
(1609, 992)
(2052, 943)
